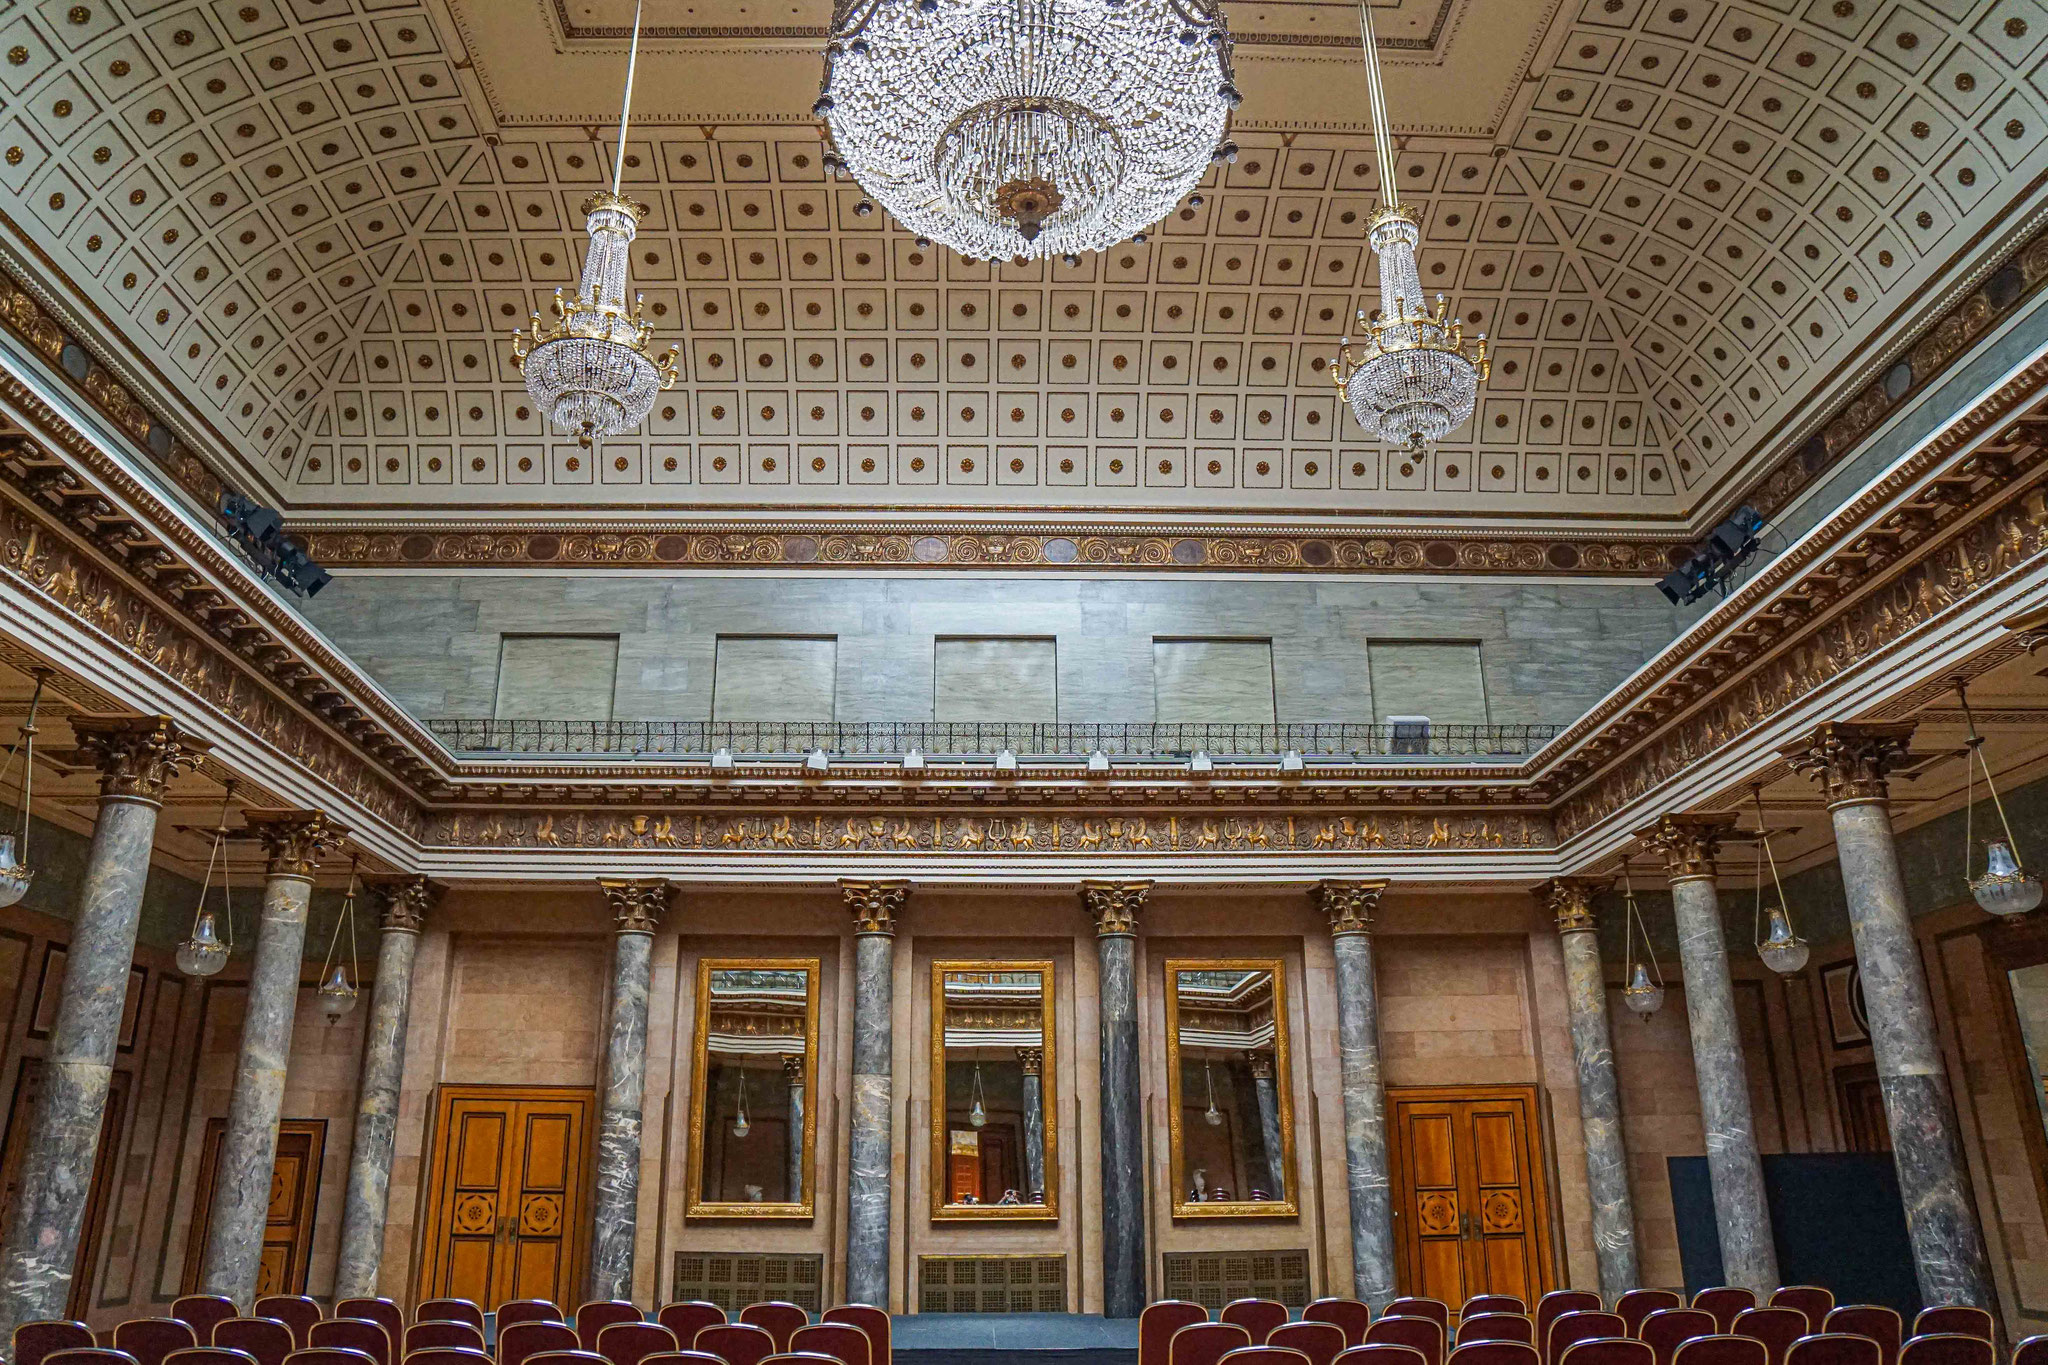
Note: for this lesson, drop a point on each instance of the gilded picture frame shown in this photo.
(1289, 1205)
(697, 1205)
(942, 1209)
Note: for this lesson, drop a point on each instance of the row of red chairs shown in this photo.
(1219, 1343)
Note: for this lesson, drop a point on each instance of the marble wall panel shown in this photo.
(1000, 680)
(1441, 680)
(774, 677)
(557, 677)
(1226, 682)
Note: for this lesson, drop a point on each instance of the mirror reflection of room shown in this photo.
(753, 1085)
(991, 1074)
(1227, 1031)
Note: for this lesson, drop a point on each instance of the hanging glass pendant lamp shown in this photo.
(206, 951)
(1214, 1116)
(740, 1126)
(1782, 950)
(977, 1113)
(337, 991)
(1641, 991)
(15, 872)
(2006, 888)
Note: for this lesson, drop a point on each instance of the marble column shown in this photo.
(1032, 1062)
(875, 905)
(405, 902)
(136, 757)
(1570, 900)
(295, 841)
(1114, 906)
(637, 905)
(1850, 762)
(1350, 906)
(1267, 1092)
(793, 1082)
(1689, 844)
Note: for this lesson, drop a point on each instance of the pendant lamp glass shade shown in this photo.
(740, 1126)
(1642, 995)
(1783, 951)
(977, 1114)
(15, 875)
(203, 954)
(15, 872)
(337, 994)
(2004, 888)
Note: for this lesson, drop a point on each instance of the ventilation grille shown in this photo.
(732, 1280)
(992, 1284)
(1214, 1278)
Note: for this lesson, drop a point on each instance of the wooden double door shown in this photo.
(1471, 1212)
(507, 1215)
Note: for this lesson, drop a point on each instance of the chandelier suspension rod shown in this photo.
(626, 103)
(1376, 96)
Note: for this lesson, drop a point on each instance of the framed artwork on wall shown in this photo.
(1848, 1019)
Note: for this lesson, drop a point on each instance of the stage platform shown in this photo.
(1001, 1338)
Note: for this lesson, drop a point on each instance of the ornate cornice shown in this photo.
(637, 903)
(1850, 760)
(1349, 904)
(1570, 901)
(294, 840)
(1689, 842)
(1114, 906)
(403, 902)
(875, 904)
(137, 756)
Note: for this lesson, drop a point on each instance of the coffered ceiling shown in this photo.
(307, 227)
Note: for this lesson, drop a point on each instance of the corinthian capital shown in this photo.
(296, 840)
(1114, 906)
(637, 903)
(1570, 900)
(874, 903)
(1688, 842)
(403, 902)
(1349, 904)
(1850, 760)
(137, 755)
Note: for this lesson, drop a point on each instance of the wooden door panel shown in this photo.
(1434, 1204)
(1471, 1209)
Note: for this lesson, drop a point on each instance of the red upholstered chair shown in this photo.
(355, 1334)
(1501, 1326)
(326, 1355)
(1205, 1343)
(576, 1357)
(1436, 1310)
(1263, 1355)
(870, 1319)
(1157, 1323)
(739, 1343)
(781, 1320)
(1381, 1353)
(1348, 1315)
(1321, 1342)
(1638, 1304)
(267, 1339)
(1955, 1317)
(1609, 1351)
(1834, 1348)
(209, 1355)
(1809, 1299)
(383, 1312)
(842, 1341)
(34, 1340)
(1723, 1348)
(1424, 1334)
(1496, 1352)
(522, 1341)
(447, 1355)
(687, 1317)
(683, 1358)
(1669, 1328)
(88, 1355)
(1724, 1302)
(1569, 1329)
(1555, 1305)
(149, 1340)
(443, 1332)
(797, 1358)
(1257, 1316)
(629, 1343)
(296, 1311)
(594, 1317)
(203, 1311)
(1946, 1348)
(2032, 1351)
(515, 1311)
(1492, 1303)
(1776, 1328)
(1874, 1320)
(450, 1310)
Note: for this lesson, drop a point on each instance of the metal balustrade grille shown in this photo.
(992, 1284)
(734, 1279)
(1214, 1278)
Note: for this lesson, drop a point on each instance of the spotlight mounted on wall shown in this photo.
(1712, 566)
(258, 532)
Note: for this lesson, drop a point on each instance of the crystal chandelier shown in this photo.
(1020, 128)
(1410, 380)
(589, 369)
(1782, 950)
(2006, 888)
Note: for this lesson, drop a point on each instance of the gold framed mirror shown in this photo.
(995, 1130)
(753, 1098)
(1230, 1116)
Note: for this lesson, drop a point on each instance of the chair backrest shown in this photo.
(296, 1311)
(1205, 1343)
(1946, 1348)
(1492, 1303)
(1495, 1352)
(203, 1311)
(1349, 1316)
(209, 1355)
(450, 1310)
(443, 1332)
(1436, 1310)
(88, 1355)
(1722, 1348)
(1264, 1355)
(515, 1311)
(1257, 1316)
(872, 1320)
(383, 1312)
(1877, 1321)
(739, 1343)
(629, 1343)
(683, 1358)
(1724, 1302)
(1837, 1348)
(781, 1320)
(579, 1356)
(2032, 1351)
(1637, 1304)
(1776, 1328)
(599, 1314)
(447, 1355)
(1555, 1305)
(1502, 1326)
(797, 1358)
(326, 1355)
(522, 1341)
(1608, 1351)
(1964, 1318)
(1809, 1299)
(1381, 1353)
(357, 1334)
(1157, 1322)
(842, 1341)
(1669, 1328)
(34, 1340)
(1569, 1329)
(267, 1339)
(1424, 1334)
(1321, 1342)
(149, 1340)
(687, 1317)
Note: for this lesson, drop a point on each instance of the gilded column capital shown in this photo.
(637, 903)
(1349, 904)
(137, 756)
(793, 1068)
(403, 902)
(875, 904)
(1031, 1059)
(295, 840)
(1114, 906)
(1261, 1064)
(1570, 901)
(1850, 759)
(1689, 842)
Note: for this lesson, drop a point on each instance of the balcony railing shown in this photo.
(942, 740)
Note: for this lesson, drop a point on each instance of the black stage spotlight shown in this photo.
(258, 532)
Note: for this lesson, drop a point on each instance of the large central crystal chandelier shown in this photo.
(589, 368)
(1018, 128)
(1410, 381)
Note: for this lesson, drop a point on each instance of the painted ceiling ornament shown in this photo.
(1410, 382)
(589, 369)
(1021, 128)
